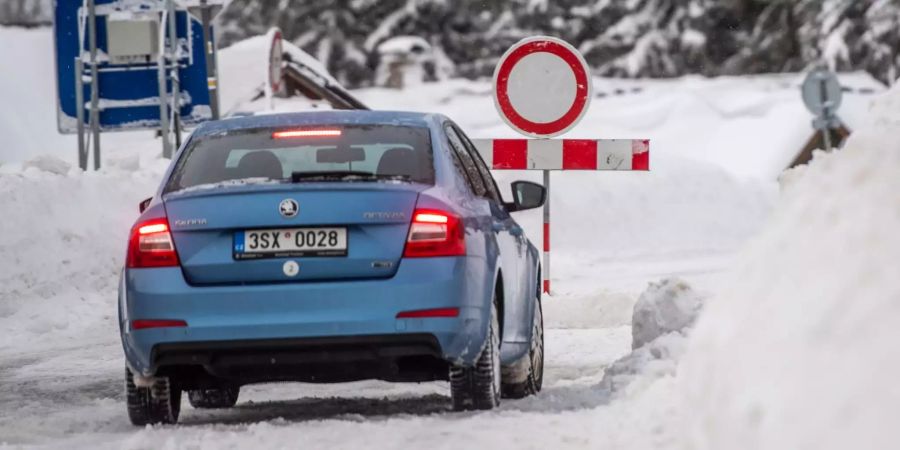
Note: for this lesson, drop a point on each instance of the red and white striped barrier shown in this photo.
(565, 154)
(562, 154)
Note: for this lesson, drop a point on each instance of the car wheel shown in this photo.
(478, 387)
(214, 398)
(160, 403)
(533, 363)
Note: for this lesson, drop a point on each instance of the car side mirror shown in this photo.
(142, 206)
(526, 195)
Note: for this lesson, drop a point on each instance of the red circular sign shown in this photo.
(532, 84)
(275, 58)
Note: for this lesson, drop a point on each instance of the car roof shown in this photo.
(312, 118)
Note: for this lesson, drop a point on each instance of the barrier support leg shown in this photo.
(545, 272)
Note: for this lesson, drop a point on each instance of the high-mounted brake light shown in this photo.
(288, 134)
(151, 245)
(434, 233)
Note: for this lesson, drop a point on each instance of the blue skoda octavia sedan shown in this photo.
(329, 247)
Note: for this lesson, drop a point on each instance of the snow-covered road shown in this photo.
(71, 393)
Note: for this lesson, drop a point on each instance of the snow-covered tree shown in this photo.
(629, 38)
(26, 12)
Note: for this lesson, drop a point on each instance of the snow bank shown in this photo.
(48, 163)
(244, 69)
(800, 350)
(662, 318)
(63, 238)
(667, 306)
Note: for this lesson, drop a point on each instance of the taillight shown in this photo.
(434, 233)
(151, 245)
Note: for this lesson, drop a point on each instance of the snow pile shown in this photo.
(244, 69)
(662, 317)
(667, 306)
(800, 349)
(48, 163)
(63, 241)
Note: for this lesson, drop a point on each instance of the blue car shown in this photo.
(329, 247)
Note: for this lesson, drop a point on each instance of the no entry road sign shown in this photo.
(542, 86)
(276, 51)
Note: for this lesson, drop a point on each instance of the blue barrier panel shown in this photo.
(129, 92)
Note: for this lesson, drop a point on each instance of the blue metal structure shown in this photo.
(129, 93)
(243, 321)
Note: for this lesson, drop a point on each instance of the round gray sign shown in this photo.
(821, 91)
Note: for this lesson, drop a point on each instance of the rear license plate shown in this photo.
(290, 242)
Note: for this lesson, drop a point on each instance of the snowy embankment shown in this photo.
(800, 349)
(63, 244)
(660, 325)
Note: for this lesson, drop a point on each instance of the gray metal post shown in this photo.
(212, 81)
(79, 111)
(95, 83)
(545, 271)
(173, 74)
(826, 115)
(163, 97)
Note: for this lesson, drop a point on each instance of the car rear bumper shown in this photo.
(394, 357)
(286, 319)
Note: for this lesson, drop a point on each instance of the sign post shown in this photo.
(207, 9)
(822, 96)
(175, 97)
(95, 83)
(163, 91)
(542, 88)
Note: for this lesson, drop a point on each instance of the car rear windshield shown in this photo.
(320, 153)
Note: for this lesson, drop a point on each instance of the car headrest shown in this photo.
(260, 163)
(398, 161)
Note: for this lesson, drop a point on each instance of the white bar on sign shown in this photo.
(614, 154)
(485, 148)
(545, 154)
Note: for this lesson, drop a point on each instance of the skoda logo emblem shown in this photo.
(288, 207)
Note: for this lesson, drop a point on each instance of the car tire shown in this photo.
(533, 362)
(214, 398)
(478, 386)
(159, 404)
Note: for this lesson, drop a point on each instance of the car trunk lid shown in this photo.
(208, 227)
